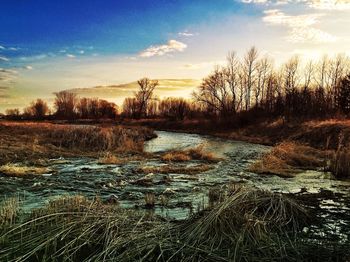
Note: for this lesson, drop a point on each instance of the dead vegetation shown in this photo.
(244, 226)
(289, 158)
(176, 169)
(16, 170)
(9, 211)
(29, 141)
(197, 153)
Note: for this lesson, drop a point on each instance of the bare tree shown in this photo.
(65, 104)
(37, 109)
(250, 65)
(144, 95)
(309, 72)
(291, 74)
(263, 68)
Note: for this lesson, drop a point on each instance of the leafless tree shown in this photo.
(250, 65)
(144, 95)
(291, 74)
(65, 104)
(37, 109)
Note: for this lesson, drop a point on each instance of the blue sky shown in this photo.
(47, 46)
(111, 27)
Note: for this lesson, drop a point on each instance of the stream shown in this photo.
(185, 194)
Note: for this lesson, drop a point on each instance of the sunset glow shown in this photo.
(48, 46)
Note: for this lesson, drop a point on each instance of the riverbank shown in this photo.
(320, 134)
(230, 229)
(35, 142)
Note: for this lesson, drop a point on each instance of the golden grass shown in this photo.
(173, 169)
(27, 141)
(249, 225)
(16, 170)
(9, 211)
(287, 159)
(110, 159)
(196, 153)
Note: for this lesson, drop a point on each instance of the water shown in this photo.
(184, 193)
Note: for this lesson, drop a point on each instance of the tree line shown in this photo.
(245, 86)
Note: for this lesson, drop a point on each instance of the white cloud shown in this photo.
(201, 65)
(255, 1)
(186, 34)
(159, 50)
(81, 52)
(317, 4)
(13, 48)
(301, 27)
(329, 4)
(5, 59)
(1, 47)
(70, 56)
(28, 67)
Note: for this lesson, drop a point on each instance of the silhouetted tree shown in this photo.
(144, 95)
(65, 104)
(38, 109)
(343, 96)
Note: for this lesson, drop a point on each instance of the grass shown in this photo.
(340, 163)
(287, 159)
(176, 169)
(16, 170)
(9, 211)
(150, 200)
(247, 225)
(32, 142)
(340, 160)
(196, 153)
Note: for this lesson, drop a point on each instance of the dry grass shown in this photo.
(172, 169)
(150, 200)
(17, 170)
(340, 163)
(27, 141)
(249, 225)
(9, 211)
(287, 159)
(197, 153)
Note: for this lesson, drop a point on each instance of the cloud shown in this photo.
(185, 34)
(5, 59)
(255, 1)
(9, 48)
(28, 67)
(301, 27)
(159, 50)
(317, 4)
(201, 65)
(70, 56)
(330, 4)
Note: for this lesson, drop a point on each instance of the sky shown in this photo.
(48, 46)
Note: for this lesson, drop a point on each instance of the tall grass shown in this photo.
(197, 153)
(16, 170)
(340, 161)
(244, 226)
(22, 141)
(288, 158)
(9, 211)
(97, 138)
